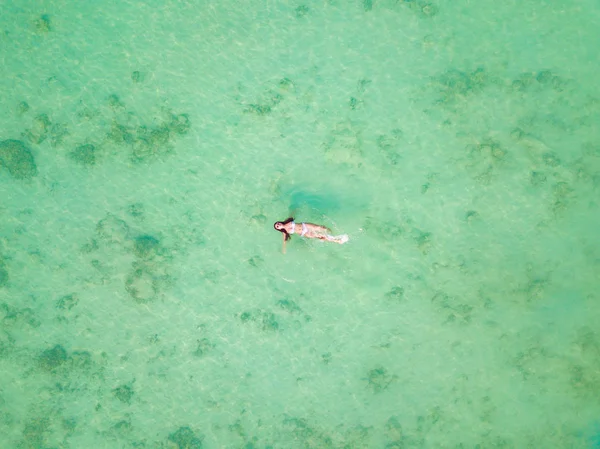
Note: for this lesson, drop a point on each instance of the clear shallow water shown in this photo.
(144, 299)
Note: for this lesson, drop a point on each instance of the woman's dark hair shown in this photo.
(288, 220)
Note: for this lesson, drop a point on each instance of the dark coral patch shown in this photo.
(84, 154)
(52, 358)
(17, 158)
(180, 124)
(3, 273)
(3, 276)
(185, 438)
(146, 246)
(124, 393)
(43, 24)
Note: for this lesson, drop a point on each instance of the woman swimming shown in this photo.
(308, 230)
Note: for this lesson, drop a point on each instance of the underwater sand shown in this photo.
(144, 298)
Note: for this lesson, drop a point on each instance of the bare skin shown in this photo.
(307, 230)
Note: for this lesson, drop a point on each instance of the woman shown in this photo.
(308, 230)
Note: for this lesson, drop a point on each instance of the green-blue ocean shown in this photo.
(148, 147)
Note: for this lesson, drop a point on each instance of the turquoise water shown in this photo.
(146, 149)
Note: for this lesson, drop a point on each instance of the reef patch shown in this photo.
(17, 158)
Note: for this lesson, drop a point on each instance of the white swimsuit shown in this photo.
(304, 229)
